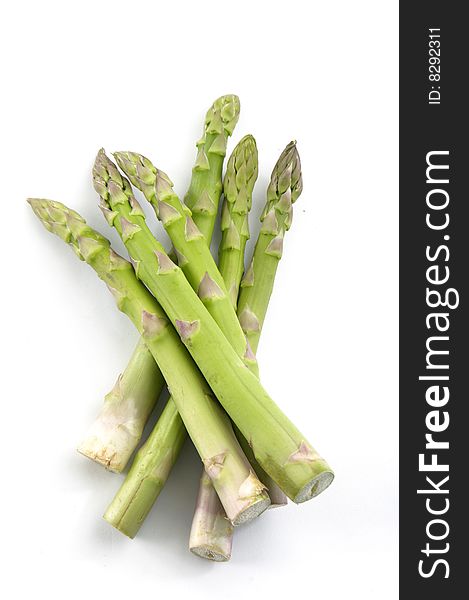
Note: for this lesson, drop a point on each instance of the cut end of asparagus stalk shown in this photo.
(111, 439)
(211, 553)
(252, 511)
(113, 455)
(106, 456)
(253, 500)
(314, 487)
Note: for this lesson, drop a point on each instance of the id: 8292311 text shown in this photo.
(434, 66)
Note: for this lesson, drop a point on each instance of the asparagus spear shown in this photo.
(238, 184)
(205, 187)
(242, 495)
(211, 533)
(118, 428)
(256, 287)
(278, 446)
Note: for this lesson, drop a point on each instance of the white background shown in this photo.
(140, 76)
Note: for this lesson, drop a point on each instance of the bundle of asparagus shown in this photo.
(200, 325)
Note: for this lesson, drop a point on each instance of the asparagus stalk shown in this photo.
(238, 184)
(277, 444)
(205, 187)
(192, 251)
(115, 433)
(256, 287)
(242, 495)
(211, 533)
(118, 428)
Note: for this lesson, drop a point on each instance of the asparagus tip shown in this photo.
(35, 203)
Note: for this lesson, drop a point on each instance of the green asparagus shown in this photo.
(211, 534)
(242, 495)
(256, 287)
(205, 187)
(291, 461)
(238, 184)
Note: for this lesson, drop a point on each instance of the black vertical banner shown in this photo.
(434, 270)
